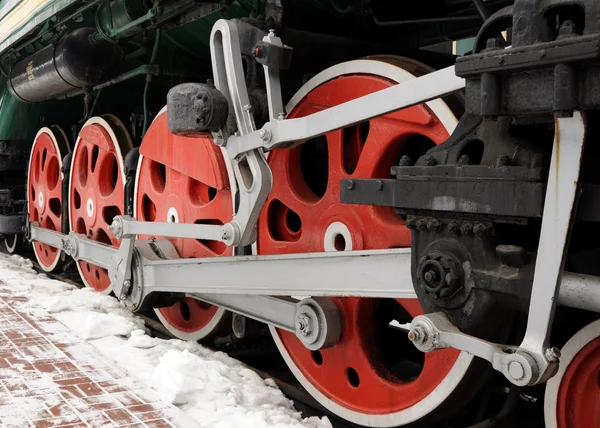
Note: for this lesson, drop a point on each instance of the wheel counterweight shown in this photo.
(185, 180)
(96, 188)
(373, 376)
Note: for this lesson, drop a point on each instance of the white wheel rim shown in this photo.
(11, 247)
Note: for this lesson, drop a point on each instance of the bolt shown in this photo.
(116, 227)
(303, 325)
(479, 229)
(464, 160)
(126, 286)
(379, 185)
(502, 161)
(405, 161)
(429, 160)
(492, 43)
(238, 326)
(264, 134)
(247, 107)
(66, 245)
(433, 225)
(451, 279)
(421, 224)
(516, 370)
(271, 32)
(430, 276)
(210, 82)
(349, 184)
(225, 235)
(453, 227)
(281, 116)
(567, 28)
(552, 354)
(466, 228)
(417, 335)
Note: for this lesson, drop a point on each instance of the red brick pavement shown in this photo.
(49, 378)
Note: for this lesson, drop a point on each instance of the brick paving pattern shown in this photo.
(49, 378)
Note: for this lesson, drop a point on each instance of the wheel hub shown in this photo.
(89, 207)
(41, 199)
(337, 237)
(172, 215)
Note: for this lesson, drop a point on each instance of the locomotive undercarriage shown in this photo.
(497, 213)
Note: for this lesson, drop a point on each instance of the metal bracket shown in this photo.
(435, 331)
(127, 227)
(559, 212)
(534, 361)
(251, 170)
(315, 321)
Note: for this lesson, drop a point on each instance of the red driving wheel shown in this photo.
(185, 180)
(572, 397)
(374, 376)
(44, 190)
(97, 188)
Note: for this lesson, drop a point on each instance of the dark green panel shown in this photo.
(194, 37)
(21, 121)
(18, 121)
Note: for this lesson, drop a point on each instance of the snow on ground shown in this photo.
(212, 388)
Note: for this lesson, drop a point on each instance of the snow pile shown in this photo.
(212, 388)
(222, 394)
(93, 325)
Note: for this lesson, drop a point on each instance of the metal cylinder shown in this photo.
(580, 291)
(120, 14)
(71, 64)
